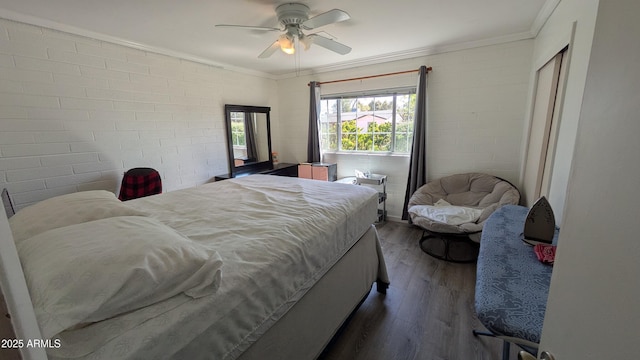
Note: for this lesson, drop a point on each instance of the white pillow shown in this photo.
(67, 210)
(96, 270)
(452, 215)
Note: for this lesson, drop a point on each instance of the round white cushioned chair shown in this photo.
(452, 210)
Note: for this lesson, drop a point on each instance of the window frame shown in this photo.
(379, 93)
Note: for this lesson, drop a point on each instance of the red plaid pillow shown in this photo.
(140, 182)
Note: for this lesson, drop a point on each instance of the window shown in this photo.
(238, 136)
(379, 122)
(237, 129)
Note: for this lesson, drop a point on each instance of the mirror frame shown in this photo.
(252, 167)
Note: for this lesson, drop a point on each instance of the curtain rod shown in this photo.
(369, 77)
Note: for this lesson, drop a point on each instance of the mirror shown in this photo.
(248, 138)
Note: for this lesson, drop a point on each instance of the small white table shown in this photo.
(377, 180)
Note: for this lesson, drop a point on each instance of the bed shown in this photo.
(288, 260)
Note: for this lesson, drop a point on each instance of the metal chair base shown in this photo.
(450, 247)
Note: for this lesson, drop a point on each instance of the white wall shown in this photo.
(75, 113)
(477, 104)
(592, 311)
(557, 33)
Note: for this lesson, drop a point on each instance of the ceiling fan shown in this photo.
(294, 17)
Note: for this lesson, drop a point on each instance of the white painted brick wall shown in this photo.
(477, 105)
(76, 113)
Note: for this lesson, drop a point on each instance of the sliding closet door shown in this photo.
(553, 131)
(544, 129)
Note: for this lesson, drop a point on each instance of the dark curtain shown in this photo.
(250, 137)
(313, 145)
(418, 160)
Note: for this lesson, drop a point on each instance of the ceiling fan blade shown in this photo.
(245, 27)
(330, 17)
(270, 50)
(330, 44)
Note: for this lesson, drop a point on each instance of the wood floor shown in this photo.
(426, 314)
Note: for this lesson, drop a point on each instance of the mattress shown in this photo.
(277, 237)
(305, 330)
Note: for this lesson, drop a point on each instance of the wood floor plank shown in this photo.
(427, 314)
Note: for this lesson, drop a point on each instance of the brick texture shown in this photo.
(76, 113)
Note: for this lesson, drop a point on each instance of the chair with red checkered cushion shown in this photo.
(139, 182)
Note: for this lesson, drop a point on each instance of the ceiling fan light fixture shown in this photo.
(286, 44)
(306, 41)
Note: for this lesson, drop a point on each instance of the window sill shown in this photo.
(389, 154)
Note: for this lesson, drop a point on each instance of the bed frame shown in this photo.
(18, 301)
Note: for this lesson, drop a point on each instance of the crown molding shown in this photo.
(53, 25)
(543, 15)
(410, 54)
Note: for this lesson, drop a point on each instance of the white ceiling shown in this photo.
(377, 29)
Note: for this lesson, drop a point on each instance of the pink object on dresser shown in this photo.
(304, 171)
(318, 171)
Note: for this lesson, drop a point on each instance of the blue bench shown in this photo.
(512, 286)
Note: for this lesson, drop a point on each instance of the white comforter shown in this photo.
(276, 235)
